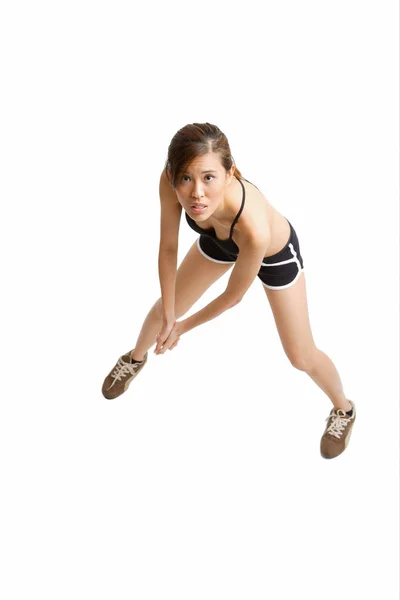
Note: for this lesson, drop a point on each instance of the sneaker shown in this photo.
(337, 432)
(119, 379)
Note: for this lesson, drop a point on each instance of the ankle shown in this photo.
(137, 357)
(347, 407)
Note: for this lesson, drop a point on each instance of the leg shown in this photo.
(289, 307)
(194, 276)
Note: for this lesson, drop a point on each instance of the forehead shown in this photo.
(208, 162)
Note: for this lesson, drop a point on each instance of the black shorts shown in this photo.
(279, 271)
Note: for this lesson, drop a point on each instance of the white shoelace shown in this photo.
(123, 369)
(338, 425)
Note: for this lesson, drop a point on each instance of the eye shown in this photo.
(212, 177)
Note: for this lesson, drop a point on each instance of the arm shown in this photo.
(167, 264)
(171, 211)
(252, 252)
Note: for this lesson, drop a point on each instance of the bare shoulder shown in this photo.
(167, 193)
(255, 219)
(170, 215)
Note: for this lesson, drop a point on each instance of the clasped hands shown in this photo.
(168, 337)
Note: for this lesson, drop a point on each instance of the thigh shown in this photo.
(283, 278)
(195, 275)
(290, 309)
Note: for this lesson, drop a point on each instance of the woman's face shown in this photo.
(203, 183)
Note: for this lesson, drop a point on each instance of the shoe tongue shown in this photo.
(340, 411)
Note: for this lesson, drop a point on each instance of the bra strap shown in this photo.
(251, 183)
(240, 211)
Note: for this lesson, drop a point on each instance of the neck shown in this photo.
(223, 210)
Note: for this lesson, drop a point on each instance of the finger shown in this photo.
(159, 344)
(175, 344)
(168, 345)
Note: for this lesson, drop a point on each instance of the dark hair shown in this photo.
(193, 140)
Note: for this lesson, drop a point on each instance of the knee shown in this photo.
(158, 309)
(302, 361)
(297, 362)
(179, 310)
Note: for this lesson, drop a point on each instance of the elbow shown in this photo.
(234, 300)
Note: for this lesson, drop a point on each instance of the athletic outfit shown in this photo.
(279, 271)
(276, 272)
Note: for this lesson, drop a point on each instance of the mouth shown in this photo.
(198, 208)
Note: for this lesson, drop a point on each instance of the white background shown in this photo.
(204, 480)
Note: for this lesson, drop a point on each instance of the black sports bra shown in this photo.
(227, 245)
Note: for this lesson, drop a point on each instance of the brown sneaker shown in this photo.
(337, 433)
(119, 379)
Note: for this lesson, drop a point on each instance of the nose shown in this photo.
(197, 193)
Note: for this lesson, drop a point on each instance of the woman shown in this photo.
(237, 226)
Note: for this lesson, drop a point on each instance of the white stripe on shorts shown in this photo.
(285, 262)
